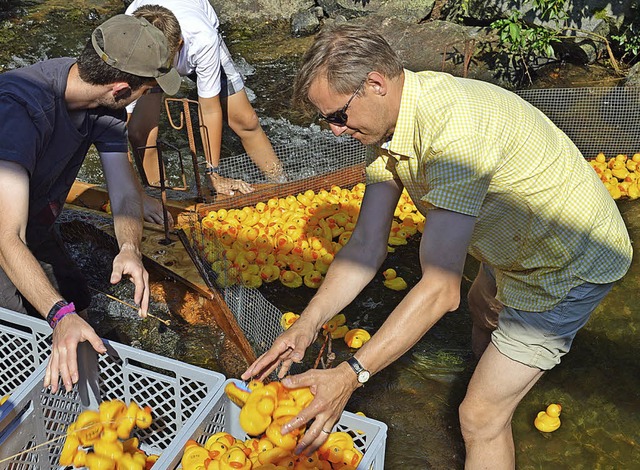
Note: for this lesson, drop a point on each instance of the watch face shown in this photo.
(363, 376)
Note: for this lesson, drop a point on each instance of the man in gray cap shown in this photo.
(50, 114)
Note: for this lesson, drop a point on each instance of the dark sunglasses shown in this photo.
(339, 117)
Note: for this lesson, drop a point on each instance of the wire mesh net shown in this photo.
(321, 163)
(596, 119)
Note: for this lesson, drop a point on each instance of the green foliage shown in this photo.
(629, 42)
(552, 10)
(526, 40)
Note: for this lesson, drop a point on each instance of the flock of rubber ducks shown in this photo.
(336, 327)
(292, 240)
(620, 174)
(101, 440)
(264, 409)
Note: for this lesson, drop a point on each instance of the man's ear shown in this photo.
(121, 91)
(377, 82)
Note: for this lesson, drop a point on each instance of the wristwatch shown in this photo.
(362, 373)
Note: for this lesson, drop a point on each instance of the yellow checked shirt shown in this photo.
(545, 222)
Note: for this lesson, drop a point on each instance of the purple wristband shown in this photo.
(61, 313)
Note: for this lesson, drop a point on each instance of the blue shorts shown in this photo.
(540, 339)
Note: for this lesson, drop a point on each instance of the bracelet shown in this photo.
(60, 310)
(209, 170)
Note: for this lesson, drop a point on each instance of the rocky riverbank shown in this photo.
(448, 35)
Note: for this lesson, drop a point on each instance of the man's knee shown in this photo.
(480, 422)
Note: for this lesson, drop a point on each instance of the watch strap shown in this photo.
(361, 372)
(355, 365)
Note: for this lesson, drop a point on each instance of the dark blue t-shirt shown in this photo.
(38, 132)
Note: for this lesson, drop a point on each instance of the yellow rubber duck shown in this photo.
(393, 281)
(194, 455)
(131, 462)
(313, 279)
(93, 461)
(255, 415)
(269, 272)
(272, 456)
(356, 338)
(337, 321)
(301, 267)
(235, 459)
(290, 279)
(333, 448)
(288, 319)
(251, 281)
(284, 441)
(88, 427)
(322, 263)
(236, 394)
(109, 449)
(69, 450)
(548, 420)
(309, 462)
(135, 416)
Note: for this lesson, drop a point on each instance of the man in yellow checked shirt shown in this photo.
(495, 179)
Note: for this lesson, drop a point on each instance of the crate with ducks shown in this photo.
(125, 410)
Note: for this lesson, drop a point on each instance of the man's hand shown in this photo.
(288, 348)
(63, 362)
(153, 212)
(129, 263)
(229, 186)
(331, 389)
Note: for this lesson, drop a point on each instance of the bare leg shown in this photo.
(244, 122)
(484, 310)
(496, 387)
(143, 132)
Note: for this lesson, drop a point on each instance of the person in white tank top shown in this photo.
(201, 54)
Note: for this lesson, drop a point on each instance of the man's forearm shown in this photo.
(27, 275)
(127, 224)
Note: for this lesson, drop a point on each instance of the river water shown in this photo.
(417, 397)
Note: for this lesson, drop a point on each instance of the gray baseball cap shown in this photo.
(135, 46)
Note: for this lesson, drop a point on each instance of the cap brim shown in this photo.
(170, 82)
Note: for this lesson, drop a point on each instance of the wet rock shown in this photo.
(413, 11)
(304, 23)
(347, 8)
(439, 46)
(633, 76)
(230, 10)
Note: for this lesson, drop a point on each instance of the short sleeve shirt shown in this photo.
(38, 132)
(544, 221)
(201, 51)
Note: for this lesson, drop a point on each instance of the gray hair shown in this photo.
(345, 54)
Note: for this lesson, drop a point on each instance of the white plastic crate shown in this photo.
(24, 345)
(34, 421)
(220, 414)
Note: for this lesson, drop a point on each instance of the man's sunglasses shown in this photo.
(339, 117)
